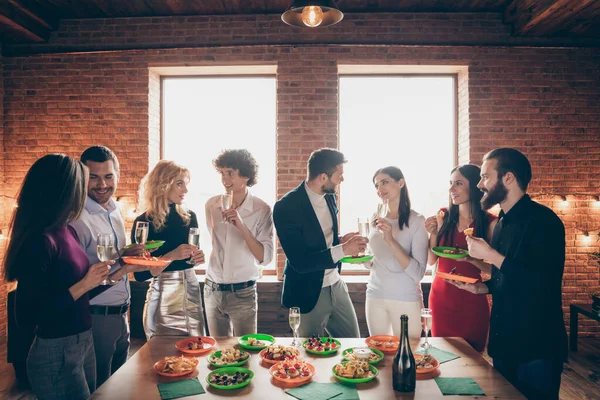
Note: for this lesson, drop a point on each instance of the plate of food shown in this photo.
(292, 371)
(147, 261)
(455, 277)
(175, 366)
(150, 244)
(357, 259)
(354, 371)
(371, 355)
(449, 252)
(228, 357)
(196, 345)
(385, 343)
(229, 378)
(426, 363)
(321, 345)
(256, 341)
(277, 352)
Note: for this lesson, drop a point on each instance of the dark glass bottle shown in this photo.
(404, 370)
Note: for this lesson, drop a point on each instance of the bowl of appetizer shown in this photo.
(385, 343)
(196, 345)
(175, 366)
(373, 356)
(321, 345)
(449, 252)
(277, 352)
(426, 363)
(354, 372)
(147, 260)
(229, 378)
(228, 357)
(292, 371)
(256, 341)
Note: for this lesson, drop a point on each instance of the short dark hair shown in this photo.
(100, 154)
(511, 160)
(324, 161)
(239, 159)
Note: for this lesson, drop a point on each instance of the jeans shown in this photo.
(536, 379)
(231, 313)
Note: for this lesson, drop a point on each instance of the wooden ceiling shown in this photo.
(23, 21)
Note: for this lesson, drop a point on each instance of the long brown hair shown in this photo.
(52, 195)
(404, 206)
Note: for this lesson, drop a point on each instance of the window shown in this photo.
(405, 121)
(204, 115)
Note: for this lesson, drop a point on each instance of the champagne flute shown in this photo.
(295, 324)
(226, 203)
(382, 209)
(141, 232)
(363, 229)
(194, 240)
(104, 250)
(426, 321)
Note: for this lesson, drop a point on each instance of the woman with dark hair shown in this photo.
(54, 278)
(399, 245)
(457, 312)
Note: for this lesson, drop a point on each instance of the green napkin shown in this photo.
(315, 391)
(440, 355)
(459, 386)
(174, 390)
(348, 390)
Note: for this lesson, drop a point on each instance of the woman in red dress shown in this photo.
(457, 312)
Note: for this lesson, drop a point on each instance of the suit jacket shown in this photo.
(306, 251)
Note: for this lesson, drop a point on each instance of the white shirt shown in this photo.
(96, 219)
(231, 261)
(321, 209)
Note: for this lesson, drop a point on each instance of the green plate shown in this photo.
(378, 352)
(217, 354)
(230, 371)
(323, 353)
(243, 341)
(358, 380)
(439, 251)
(356, 260)
(152, 244)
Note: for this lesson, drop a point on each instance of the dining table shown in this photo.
(136, 379)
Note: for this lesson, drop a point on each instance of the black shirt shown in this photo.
(527, 318)
(174, 233)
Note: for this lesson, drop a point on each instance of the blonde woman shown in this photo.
(173, 306)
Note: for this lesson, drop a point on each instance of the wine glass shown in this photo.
(382, 209)
(194, 240)
(104, 250)
(141, 232)
(226, 203)
(426, 322)
(363, 228)
(295, 324)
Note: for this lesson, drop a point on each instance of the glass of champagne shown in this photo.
(226, 203)
(141, 232)
(363, 229)
(104, 249)
(295, 324)
(194, 240)
(383, 209)
(426, 321)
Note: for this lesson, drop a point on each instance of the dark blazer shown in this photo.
(307, 254)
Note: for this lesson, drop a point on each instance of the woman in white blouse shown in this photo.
(399, 245)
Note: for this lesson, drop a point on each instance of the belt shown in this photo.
(229, 287)
(109, 310)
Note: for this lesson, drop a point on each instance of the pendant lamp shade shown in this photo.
(312, 13)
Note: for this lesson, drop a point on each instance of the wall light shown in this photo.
(312, 13)
(563, 201)
(2, 235)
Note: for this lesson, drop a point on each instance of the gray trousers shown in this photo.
(63, 368)
(231, 313)
(334, 313)
(111, 344)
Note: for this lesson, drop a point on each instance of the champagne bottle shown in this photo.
(404, 370)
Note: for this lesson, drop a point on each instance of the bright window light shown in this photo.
(404, 121)
(204, 115)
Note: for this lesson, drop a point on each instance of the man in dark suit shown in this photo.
(306, 223)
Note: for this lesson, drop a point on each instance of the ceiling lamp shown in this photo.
(312, 13)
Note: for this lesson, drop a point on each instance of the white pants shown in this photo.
(383, 317)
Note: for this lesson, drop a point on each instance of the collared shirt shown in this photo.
(231, 261)
(527, 319)
(321, 209)
(96, 219)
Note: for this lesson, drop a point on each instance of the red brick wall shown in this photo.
(542, 101)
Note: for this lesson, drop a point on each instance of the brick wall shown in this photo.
(91, 84)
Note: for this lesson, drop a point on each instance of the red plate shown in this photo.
(435, 364)
(138, 260)
(207, 341)
(299, 379)
(263, 353)
(454, 277)
(157, 367)
(383, 339)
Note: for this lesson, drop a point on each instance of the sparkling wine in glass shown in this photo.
(426, 321)
(194, 240)
(226, 203)
(382, 209)
(141, 232)
(104, 249)
(363, 228)
(295, 324)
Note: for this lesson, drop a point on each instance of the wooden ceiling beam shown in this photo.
(32, 9)
(19, 20)
(542, 17)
